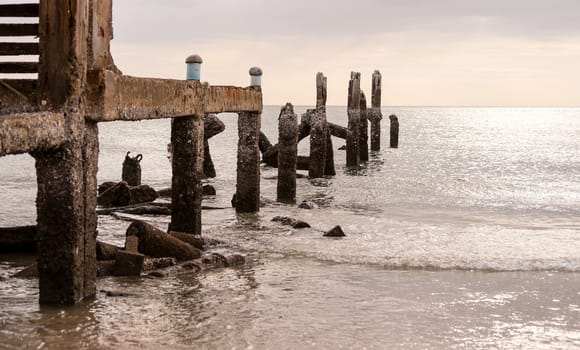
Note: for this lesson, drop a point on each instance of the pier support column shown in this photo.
(66, 218)
(353, 129)
(394, 132)
(318, 143)
(212, 126)
(287, 154)
(187, 140)
(187, 165)
(375, 115)
(247, 198)
(329, 168)
(321, 84)
(66, 176)
(364, 130)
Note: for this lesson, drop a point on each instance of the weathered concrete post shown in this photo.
(247, 198)
(375, 115)
(318, 143)
(394, 131)
(66, 176)
(212, 126)
(364, 129)
(208, 167)
(287, 154)
(329, 169)
(132, 170)
(321, 93)
(187, 164)
(353, 130)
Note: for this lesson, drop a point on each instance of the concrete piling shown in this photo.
(321, 94)
(364, 130)
(66, 219)
(67, 174)
(329, 169)
(187, 138)
(187, 168)
(321, 88)
(287, 153)
(212, 126)
(318, 143)
(375, 115)
(394, 131)
(208, 167)
(247, 197)
(353, 129)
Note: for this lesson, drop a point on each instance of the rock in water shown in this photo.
(208, 190)
(336, 231)
(142, 194)
(307, 205)
(118, 195)
(158, 244)
(284, 220)
(105, 186)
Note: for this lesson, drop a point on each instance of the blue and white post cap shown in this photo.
(256, 76)
(193, 67)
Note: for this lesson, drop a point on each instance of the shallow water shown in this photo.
(464, 237)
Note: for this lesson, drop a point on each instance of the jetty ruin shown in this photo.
(55, 118)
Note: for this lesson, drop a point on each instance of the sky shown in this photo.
(429, 52)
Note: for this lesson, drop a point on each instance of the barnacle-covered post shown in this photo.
(364, 129)
(374, 114)
(287, 154)
(318, 143)
(353, 129)
(394, 132)
(247, 198)
(187, 164)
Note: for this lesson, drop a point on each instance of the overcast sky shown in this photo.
(430, 52)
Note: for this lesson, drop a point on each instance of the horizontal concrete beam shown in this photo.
(119, 97)
(23, 133)
(221, 99)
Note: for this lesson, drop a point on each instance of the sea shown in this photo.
(467, 236)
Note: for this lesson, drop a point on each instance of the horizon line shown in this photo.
(438, 106)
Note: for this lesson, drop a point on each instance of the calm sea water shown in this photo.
(466, 237)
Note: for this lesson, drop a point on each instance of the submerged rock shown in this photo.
(284, 220)
(121, 194)
(105, 186)
(117, 293)
(142, 194)
(336, 231)
(208, 190)
(118, 195)
(307, 205)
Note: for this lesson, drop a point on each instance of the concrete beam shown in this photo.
(23, 133)
(223, 99)
(120, 97)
